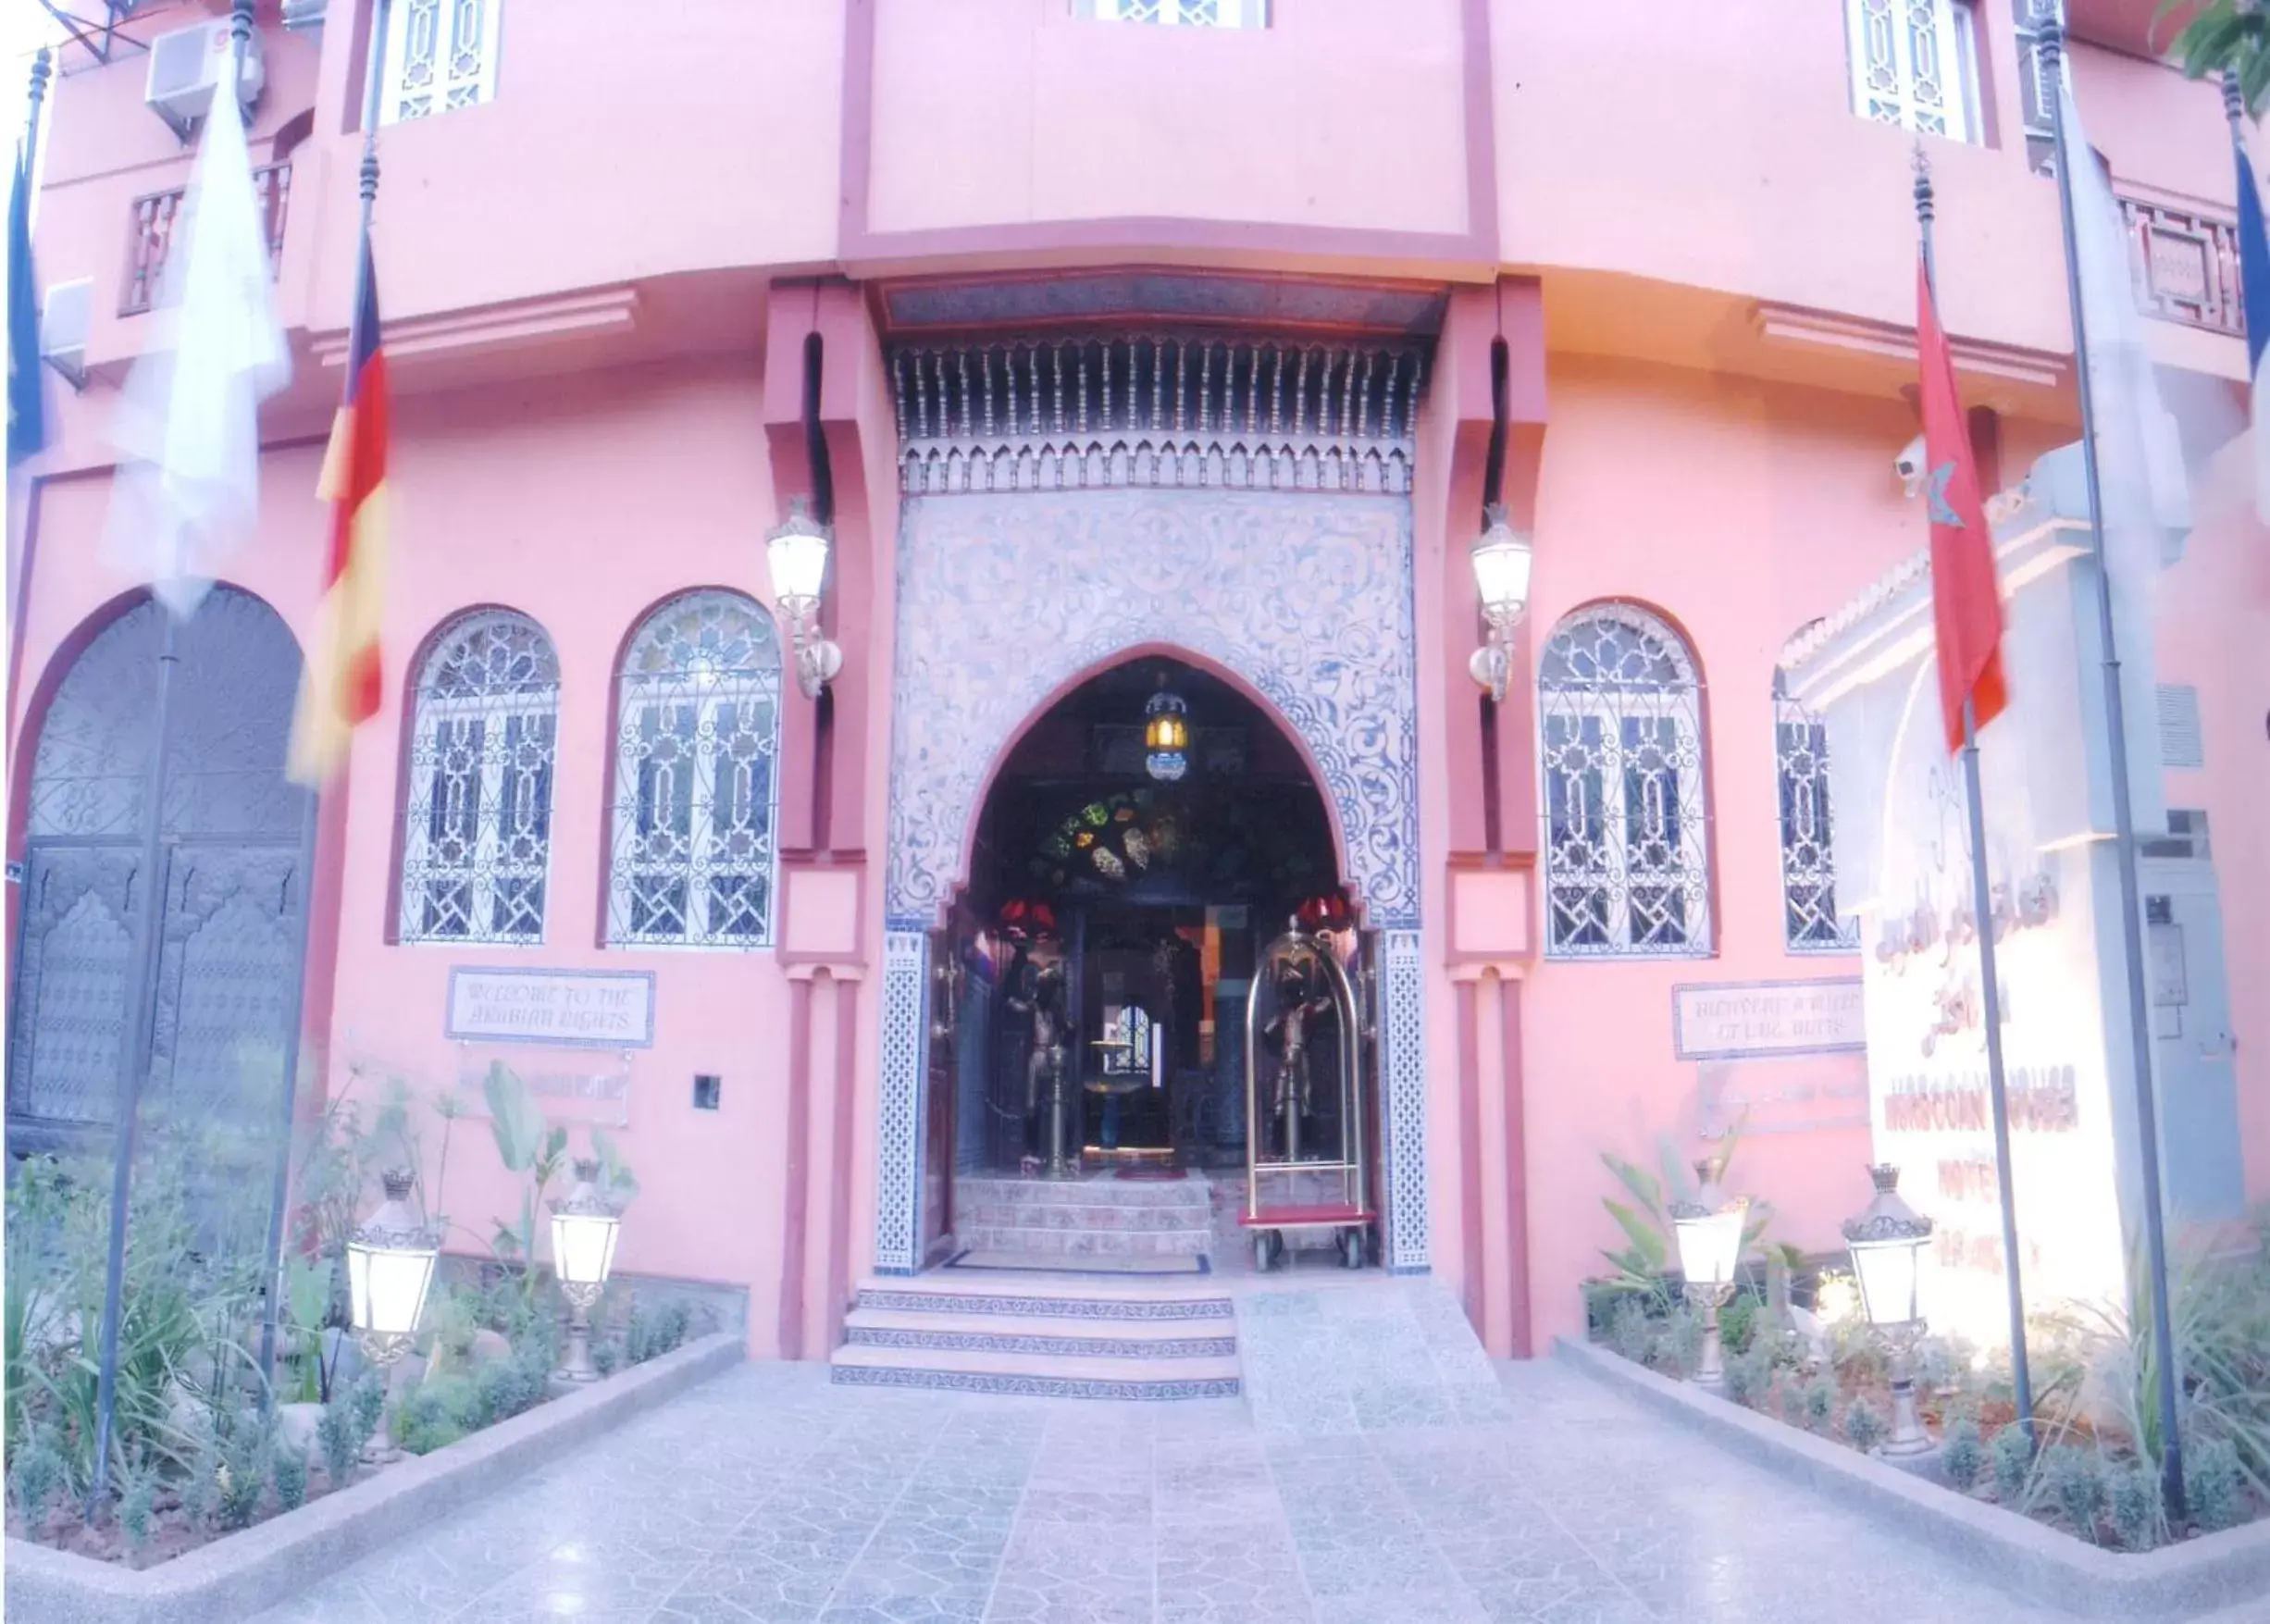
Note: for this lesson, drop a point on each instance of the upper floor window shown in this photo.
(1188, 13)
(697, 740)
(2033, 81)
(1620, 725)
(441, 55)
(1913, 65)
(476, 823)
(1808, 857)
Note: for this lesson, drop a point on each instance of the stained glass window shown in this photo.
(1808, 856)
(1619, 711)
(441, 55)
(476, 826)
(696, 789)
(1912, 65)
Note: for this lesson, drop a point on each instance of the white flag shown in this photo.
(188, 423)
(2144, 499)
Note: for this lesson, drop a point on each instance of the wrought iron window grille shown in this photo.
(1627, 863)
(697, 790)
(441, 55)
(477, 825)
(1188, 410)
(1913, 64)
(1809, 920)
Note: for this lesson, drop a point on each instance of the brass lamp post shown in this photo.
(389, 1269)
(1887, 1243)
(584, 1228)
(1709, 1230)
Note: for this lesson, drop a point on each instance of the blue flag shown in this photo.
(27, 400)
(2255, 289)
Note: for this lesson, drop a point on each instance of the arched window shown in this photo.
(1627, 868)
(476, 826)
(696, 738)
(1809, 858)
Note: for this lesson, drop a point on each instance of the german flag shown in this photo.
(341, 685)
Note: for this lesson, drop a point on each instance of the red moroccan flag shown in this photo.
(341, 685)
(1965, 598)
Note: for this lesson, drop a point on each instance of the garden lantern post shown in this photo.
(389, 1270)
(1709, 1230)
(1887, 1242)
(584, 1229)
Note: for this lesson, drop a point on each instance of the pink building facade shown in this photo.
(1118, 341)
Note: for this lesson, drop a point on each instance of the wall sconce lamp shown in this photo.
(796, 554)
(1501, 560)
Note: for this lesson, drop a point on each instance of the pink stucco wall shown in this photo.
(729, 148)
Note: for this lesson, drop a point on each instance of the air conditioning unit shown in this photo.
(63, 328)
(188, 63)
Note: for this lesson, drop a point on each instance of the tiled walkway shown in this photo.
(767, 1494)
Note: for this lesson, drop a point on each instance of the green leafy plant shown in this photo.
(1819, 1401)
(2132, 1501)
(289, 1473)
(606, 1357)
(1748, 1375)
(2075, 1480)
(2222, 34)
(1651, 1250)
(531, 1146)
(1962, 1455)
(198, 1486)
(1792, 1404)
(1629, 1332)
(436, 1413)
(307, 1310)
(2012, 1457)
(1864, 1425)
(339, 1439)
(368, 1402)
(1738, 1322)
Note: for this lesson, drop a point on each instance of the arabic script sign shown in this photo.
(1747, 1019)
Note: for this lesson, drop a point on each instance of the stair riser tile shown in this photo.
(1032, 1386)
(1094, 1348)
(918, 1301)
(1075, 1242)
(1104, 1220)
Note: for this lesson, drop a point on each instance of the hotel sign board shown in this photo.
(563, 1009)
(1759, 1020)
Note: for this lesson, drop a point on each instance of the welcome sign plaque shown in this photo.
(571, 1009)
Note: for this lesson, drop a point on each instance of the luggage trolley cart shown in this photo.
(1294, 1184)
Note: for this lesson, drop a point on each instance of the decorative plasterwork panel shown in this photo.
(897, 1194)
(1005, 600)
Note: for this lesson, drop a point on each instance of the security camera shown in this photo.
(1909, 466)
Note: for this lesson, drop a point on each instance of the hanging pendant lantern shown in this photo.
(1166, 735)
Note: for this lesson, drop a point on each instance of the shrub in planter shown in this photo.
(1629, 1332)
(35, 1477)
(137, 1507)
(1962, 1456)
(1748, 1375)
(2013, 1459)
(199, 1487)
(242, 1480)
(1820, 1400)
(339, 1437)
(1738, 1324)
(1683, 1340)
(2076, 1478)
(1792, 1404)
(368, 1402)
(2211, 1482)
(2132, 1499)
(434, 1414)
(291, 1474)
(500, 1392)
(1863, 1424)
(607, 1355)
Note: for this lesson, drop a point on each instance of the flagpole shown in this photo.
(279, 1192)
(2051, 45)
(1983, 909)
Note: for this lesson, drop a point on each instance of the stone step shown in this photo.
(1104, 1191)
(1193, 1241)
(1134, 1300)
(1037, 1375)
(1187, 1338)
(1039, 1215)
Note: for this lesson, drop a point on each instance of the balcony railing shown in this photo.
(2186, 264)
(152, 234)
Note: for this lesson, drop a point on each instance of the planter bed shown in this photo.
(2038, 1562)
(235, 1577)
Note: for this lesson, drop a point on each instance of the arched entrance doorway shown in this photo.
(1118, 909)
(233, 874)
